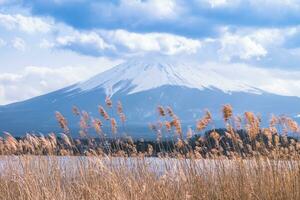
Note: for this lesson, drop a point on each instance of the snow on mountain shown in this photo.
(144, 74)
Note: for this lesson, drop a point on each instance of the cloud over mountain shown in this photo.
(230, 33)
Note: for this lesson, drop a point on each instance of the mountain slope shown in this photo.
(141, 85)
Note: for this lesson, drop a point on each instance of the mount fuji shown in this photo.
(141, 85)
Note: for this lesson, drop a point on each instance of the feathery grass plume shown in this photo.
(113, 124)
(197, 152)
(168, 126)
(177, 124)
(97, 124)
(180, 143)
(119, 107)
(215, 135)
(121, 114)
(208, 115)
(282, 122)
(103, 113)
(66, 139)
(227, 112)
(292, 125)
(53, 140)
(108, 102)
(230, 133)
(45, 145)
(264, 142)
(201, 124)
(122, 117)
(156, 128)
(32, 141)
(268, 133)
(150, 150)
(42, 140)
(297, 146)
(21, 147)
(170, 111)
(11, 143)
(83, 124)
(253, 125)
(161, 111)
(62, 122)
(84, 121)
(85, 116)
(204, 122)
(238, 122)
(250, 117)
(1, 146)
(276, 140)
(273, 121)
(272, 124)
(75, 111)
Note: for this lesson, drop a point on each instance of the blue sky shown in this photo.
(49, 44)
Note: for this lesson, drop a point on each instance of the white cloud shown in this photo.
(243, 47)
(242, 43)
(2, 43)
(19, 44)
(269, 37)
(218, 3)
(277, 81)
(123, 43)
(24, 23)
(86, 43)
(159, 9)
(258, 5)
(46, 44)
(249, 43)
(291, 4)
(33, 81)
(153, 42)
(245, 44)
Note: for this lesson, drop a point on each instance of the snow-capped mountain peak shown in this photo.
(137, 84)
(142, 74)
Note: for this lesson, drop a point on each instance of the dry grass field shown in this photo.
(52, 177)
(241, 161)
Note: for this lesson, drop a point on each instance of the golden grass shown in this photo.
(33, 178)
(243, 137)
(242, 161)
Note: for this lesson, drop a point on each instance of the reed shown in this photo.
(241, 161)
(236, 140)
(49, 178)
